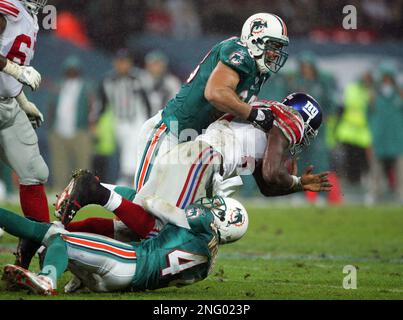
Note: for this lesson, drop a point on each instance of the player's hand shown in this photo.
(315, 182)
(30, 77)
(261, 116)
(35, 116)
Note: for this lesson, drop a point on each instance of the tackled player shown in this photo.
(208, 166)
(227, 80)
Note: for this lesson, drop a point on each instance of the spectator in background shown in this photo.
(125, 95)
(353, 129)
(185, 19)
(71, 118)
(161, 85)
(157, 19)
(322, 86)
(386, 122)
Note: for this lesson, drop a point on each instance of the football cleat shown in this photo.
(76, 195)
(24, 279)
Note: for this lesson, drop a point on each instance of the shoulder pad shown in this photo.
(289, 121)
(9, 10)
(236, 56)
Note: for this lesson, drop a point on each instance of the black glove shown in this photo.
(262, 118)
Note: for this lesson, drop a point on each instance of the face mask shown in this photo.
(387, 90)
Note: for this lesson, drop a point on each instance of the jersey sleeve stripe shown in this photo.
(9, 9)
(291, 121)
(296, 128)
(9, 4)
(286, 131)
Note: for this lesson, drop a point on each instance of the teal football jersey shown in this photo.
(190, 109)
(178, 256)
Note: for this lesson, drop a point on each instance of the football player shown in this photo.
(227, 80)
(208, 166)
(18, 116)
(179, 255)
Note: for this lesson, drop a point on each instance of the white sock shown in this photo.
(115, 200)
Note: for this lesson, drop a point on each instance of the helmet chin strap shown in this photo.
(261, 65)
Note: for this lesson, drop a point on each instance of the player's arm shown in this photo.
(26, 75)
(3, 25)
(220, 91)
(274, 179)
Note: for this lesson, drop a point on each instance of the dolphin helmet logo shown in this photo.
(236, 217)
(257, 26)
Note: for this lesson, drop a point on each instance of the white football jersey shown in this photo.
(17, 42)
(242, 145)
(239, 143)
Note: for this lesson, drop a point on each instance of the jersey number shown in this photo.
(15, 54)
(179, 260)
(195, 72)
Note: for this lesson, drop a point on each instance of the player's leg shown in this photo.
(182, 175)
(103, 226)
(20, 144)
(21, 152)
(154, 141)
(22, 227)
(102, 264)
(86, 189)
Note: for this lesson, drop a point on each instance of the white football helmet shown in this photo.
(265, 35)
(33, 6)
(231, 217)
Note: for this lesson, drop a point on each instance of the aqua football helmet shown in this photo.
(231, 217)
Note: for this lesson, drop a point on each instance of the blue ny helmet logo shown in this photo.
(311, 111)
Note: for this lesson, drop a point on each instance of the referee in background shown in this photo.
(123, 94)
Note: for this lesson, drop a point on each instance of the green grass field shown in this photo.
(287, 254)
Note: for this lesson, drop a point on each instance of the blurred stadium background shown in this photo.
(355, 74)
(288, 252)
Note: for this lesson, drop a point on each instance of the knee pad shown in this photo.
(55, 231)
(37, 173)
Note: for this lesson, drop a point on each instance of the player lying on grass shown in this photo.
(177, 256)
(208, 166)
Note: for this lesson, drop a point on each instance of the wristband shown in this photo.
(296, 185)
(12, 69)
